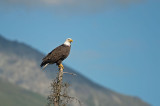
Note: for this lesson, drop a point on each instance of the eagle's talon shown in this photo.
(60, 66)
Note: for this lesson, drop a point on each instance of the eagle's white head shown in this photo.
(68, 41)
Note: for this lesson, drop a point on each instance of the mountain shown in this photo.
(12, 95)
(19, 64)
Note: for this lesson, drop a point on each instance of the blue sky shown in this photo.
(115, 44)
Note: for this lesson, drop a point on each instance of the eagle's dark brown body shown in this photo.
(57, 55)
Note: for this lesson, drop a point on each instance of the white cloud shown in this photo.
(71, 5)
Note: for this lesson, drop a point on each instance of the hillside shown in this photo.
(12, 95)
(19, 64)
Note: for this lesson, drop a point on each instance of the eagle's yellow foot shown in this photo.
(60, 66)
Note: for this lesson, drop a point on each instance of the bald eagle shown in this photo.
(58, 54)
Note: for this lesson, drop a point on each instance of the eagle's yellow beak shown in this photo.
(71, 40)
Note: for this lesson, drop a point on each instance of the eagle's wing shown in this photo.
(54, 55)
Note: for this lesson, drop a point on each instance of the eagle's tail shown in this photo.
(44, 65)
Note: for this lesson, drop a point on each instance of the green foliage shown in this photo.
(12, 95)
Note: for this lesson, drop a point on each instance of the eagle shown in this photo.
(57, 55)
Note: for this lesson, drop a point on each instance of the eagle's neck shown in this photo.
(67, 43)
